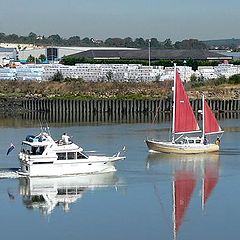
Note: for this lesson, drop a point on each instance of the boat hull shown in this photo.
(59, 168)
(169, 147)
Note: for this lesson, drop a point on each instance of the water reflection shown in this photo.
(46, 194)
(187, 172)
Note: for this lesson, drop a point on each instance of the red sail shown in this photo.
(185, 183)
(210, 179)
(210, 122)
(185, 120)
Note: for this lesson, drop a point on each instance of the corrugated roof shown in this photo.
(7, 49)
(156, 54)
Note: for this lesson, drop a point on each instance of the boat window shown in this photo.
(25, 148)
(71, 155)
(37, 150)
(198, 141)
(81, 156)
(61, 156)
(70, 191)
(191, 141)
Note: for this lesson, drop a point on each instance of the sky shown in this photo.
(101, 19)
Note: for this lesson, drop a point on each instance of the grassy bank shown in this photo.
(109, 90)
(84, 90)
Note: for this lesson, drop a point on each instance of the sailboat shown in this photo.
(184, 123)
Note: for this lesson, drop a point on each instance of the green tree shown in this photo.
(42, 58)
(109, 75)
(74, 41)
(167, 44)
(31, 59)
(57, 77)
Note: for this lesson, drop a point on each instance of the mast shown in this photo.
(203, 117)
(174, 101)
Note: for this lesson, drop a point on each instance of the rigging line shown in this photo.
(157, 193)
(155, 116)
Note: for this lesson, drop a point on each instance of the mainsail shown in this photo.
(210, 122)
(184, 118)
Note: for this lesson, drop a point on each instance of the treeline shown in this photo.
(76, 41)
(199, 81)
(223, 44)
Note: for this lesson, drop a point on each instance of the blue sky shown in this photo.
(176, 19)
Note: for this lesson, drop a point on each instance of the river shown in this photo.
(151, 196)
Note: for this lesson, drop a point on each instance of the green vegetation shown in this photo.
(32, 59)
(199, 82)
(59, 88)
(55, 39)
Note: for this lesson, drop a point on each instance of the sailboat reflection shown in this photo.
(187, 170)
(47, 193)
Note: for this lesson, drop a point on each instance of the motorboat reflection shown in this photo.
(187, 171)
(46, 193)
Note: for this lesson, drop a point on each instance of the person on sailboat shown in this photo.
(218, 141)
(205, 141)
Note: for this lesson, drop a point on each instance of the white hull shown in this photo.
(59, 168)
(169, 147)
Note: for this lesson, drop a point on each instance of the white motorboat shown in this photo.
(41, 155)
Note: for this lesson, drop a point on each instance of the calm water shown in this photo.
(151, 196)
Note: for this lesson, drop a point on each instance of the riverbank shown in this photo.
(108, 90)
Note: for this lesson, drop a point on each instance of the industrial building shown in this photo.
(153, 54)
(7, 55)
(54, 53)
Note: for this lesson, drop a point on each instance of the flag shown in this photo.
(10, 148)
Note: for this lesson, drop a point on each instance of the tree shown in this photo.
(167, 43)
(58, 77)
(32, 36)
(109, 75)
(155, 43)
(74, 41)
(140, 43)
(115, 42)
(42, 58)
(190, 44)
(31, 59)
(86, 41)
(55, 39)
(128, 42)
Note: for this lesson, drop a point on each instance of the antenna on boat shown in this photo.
(41, 126)
(47, 129)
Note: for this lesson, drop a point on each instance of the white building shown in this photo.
(7, 55)
(114, 72)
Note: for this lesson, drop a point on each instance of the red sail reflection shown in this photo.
(210, 179)
(184, 184)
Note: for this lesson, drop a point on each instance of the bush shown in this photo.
(57, 77)
(235, 79)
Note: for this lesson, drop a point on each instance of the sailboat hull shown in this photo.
(169, 147)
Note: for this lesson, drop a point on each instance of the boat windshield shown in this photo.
(32, 150)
